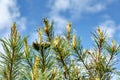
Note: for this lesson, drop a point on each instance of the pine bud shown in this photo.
(108, 77)
(113, 45)
(14, 42)
(36, 46)
(100, 33)
(69, 28)
(76, 70)
(54, 71)
(98, 29)
(18, 36)
(74, 41)
(13, 30)
(14, 34)
(46, 22)
(25, 46)
(97, 78)
(90, 52)
(68, 31)
(37, 60)
(46, 29)
(35, 68)
(40, 36)
(56, 41)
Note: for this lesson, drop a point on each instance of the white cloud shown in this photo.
(60, 24)
(60, 5)
(9, 13)
(110, 1)
(74, 9)
(75, 6)
(95, 8)
(110, 27)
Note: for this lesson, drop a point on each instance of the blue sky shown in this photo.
(85, 16)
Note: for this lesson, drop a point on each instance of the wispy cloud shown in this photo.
(74, 9)
(60, 23)
(9, 13)
(110, 27)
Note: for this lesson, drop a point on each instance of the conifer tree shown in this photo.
(57, 57)
(11, 57)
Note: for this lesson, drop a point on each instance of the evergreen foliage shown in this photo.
(57, 57)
